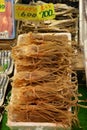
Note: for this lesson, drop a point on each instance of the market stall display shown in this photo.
(44, 76)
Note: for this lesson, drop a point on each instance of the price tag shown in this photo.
(33, 12)
(2, 5)
(25, 12)
(46, 11)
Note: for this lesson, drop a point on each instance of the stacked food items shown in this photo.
(43, 89)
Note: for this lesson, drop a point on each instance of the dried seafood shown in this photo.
(43, 88)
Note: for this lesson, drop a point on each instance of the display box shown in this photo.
(7, 22)
(36, 126)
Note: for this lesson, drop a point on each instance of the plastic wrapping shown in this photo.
(6, 62)
(7, 22)
(4, 79)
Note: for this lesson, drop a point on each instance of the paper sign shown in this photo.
(25, 12)
(2, 5)
(33, 12)
(46, 11)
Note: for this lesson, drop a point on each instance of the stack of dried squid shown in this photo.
(43, 89)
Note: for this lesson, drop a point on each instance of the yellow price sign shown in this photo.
(25, 12)
(46, 11)
(2, 5)
(34, 12)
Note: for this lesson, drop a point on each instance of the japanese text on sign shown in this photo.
(46, 11)
(25, 12)
(39, 12)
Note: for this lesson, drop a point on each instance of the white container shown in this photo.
(36, 126)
